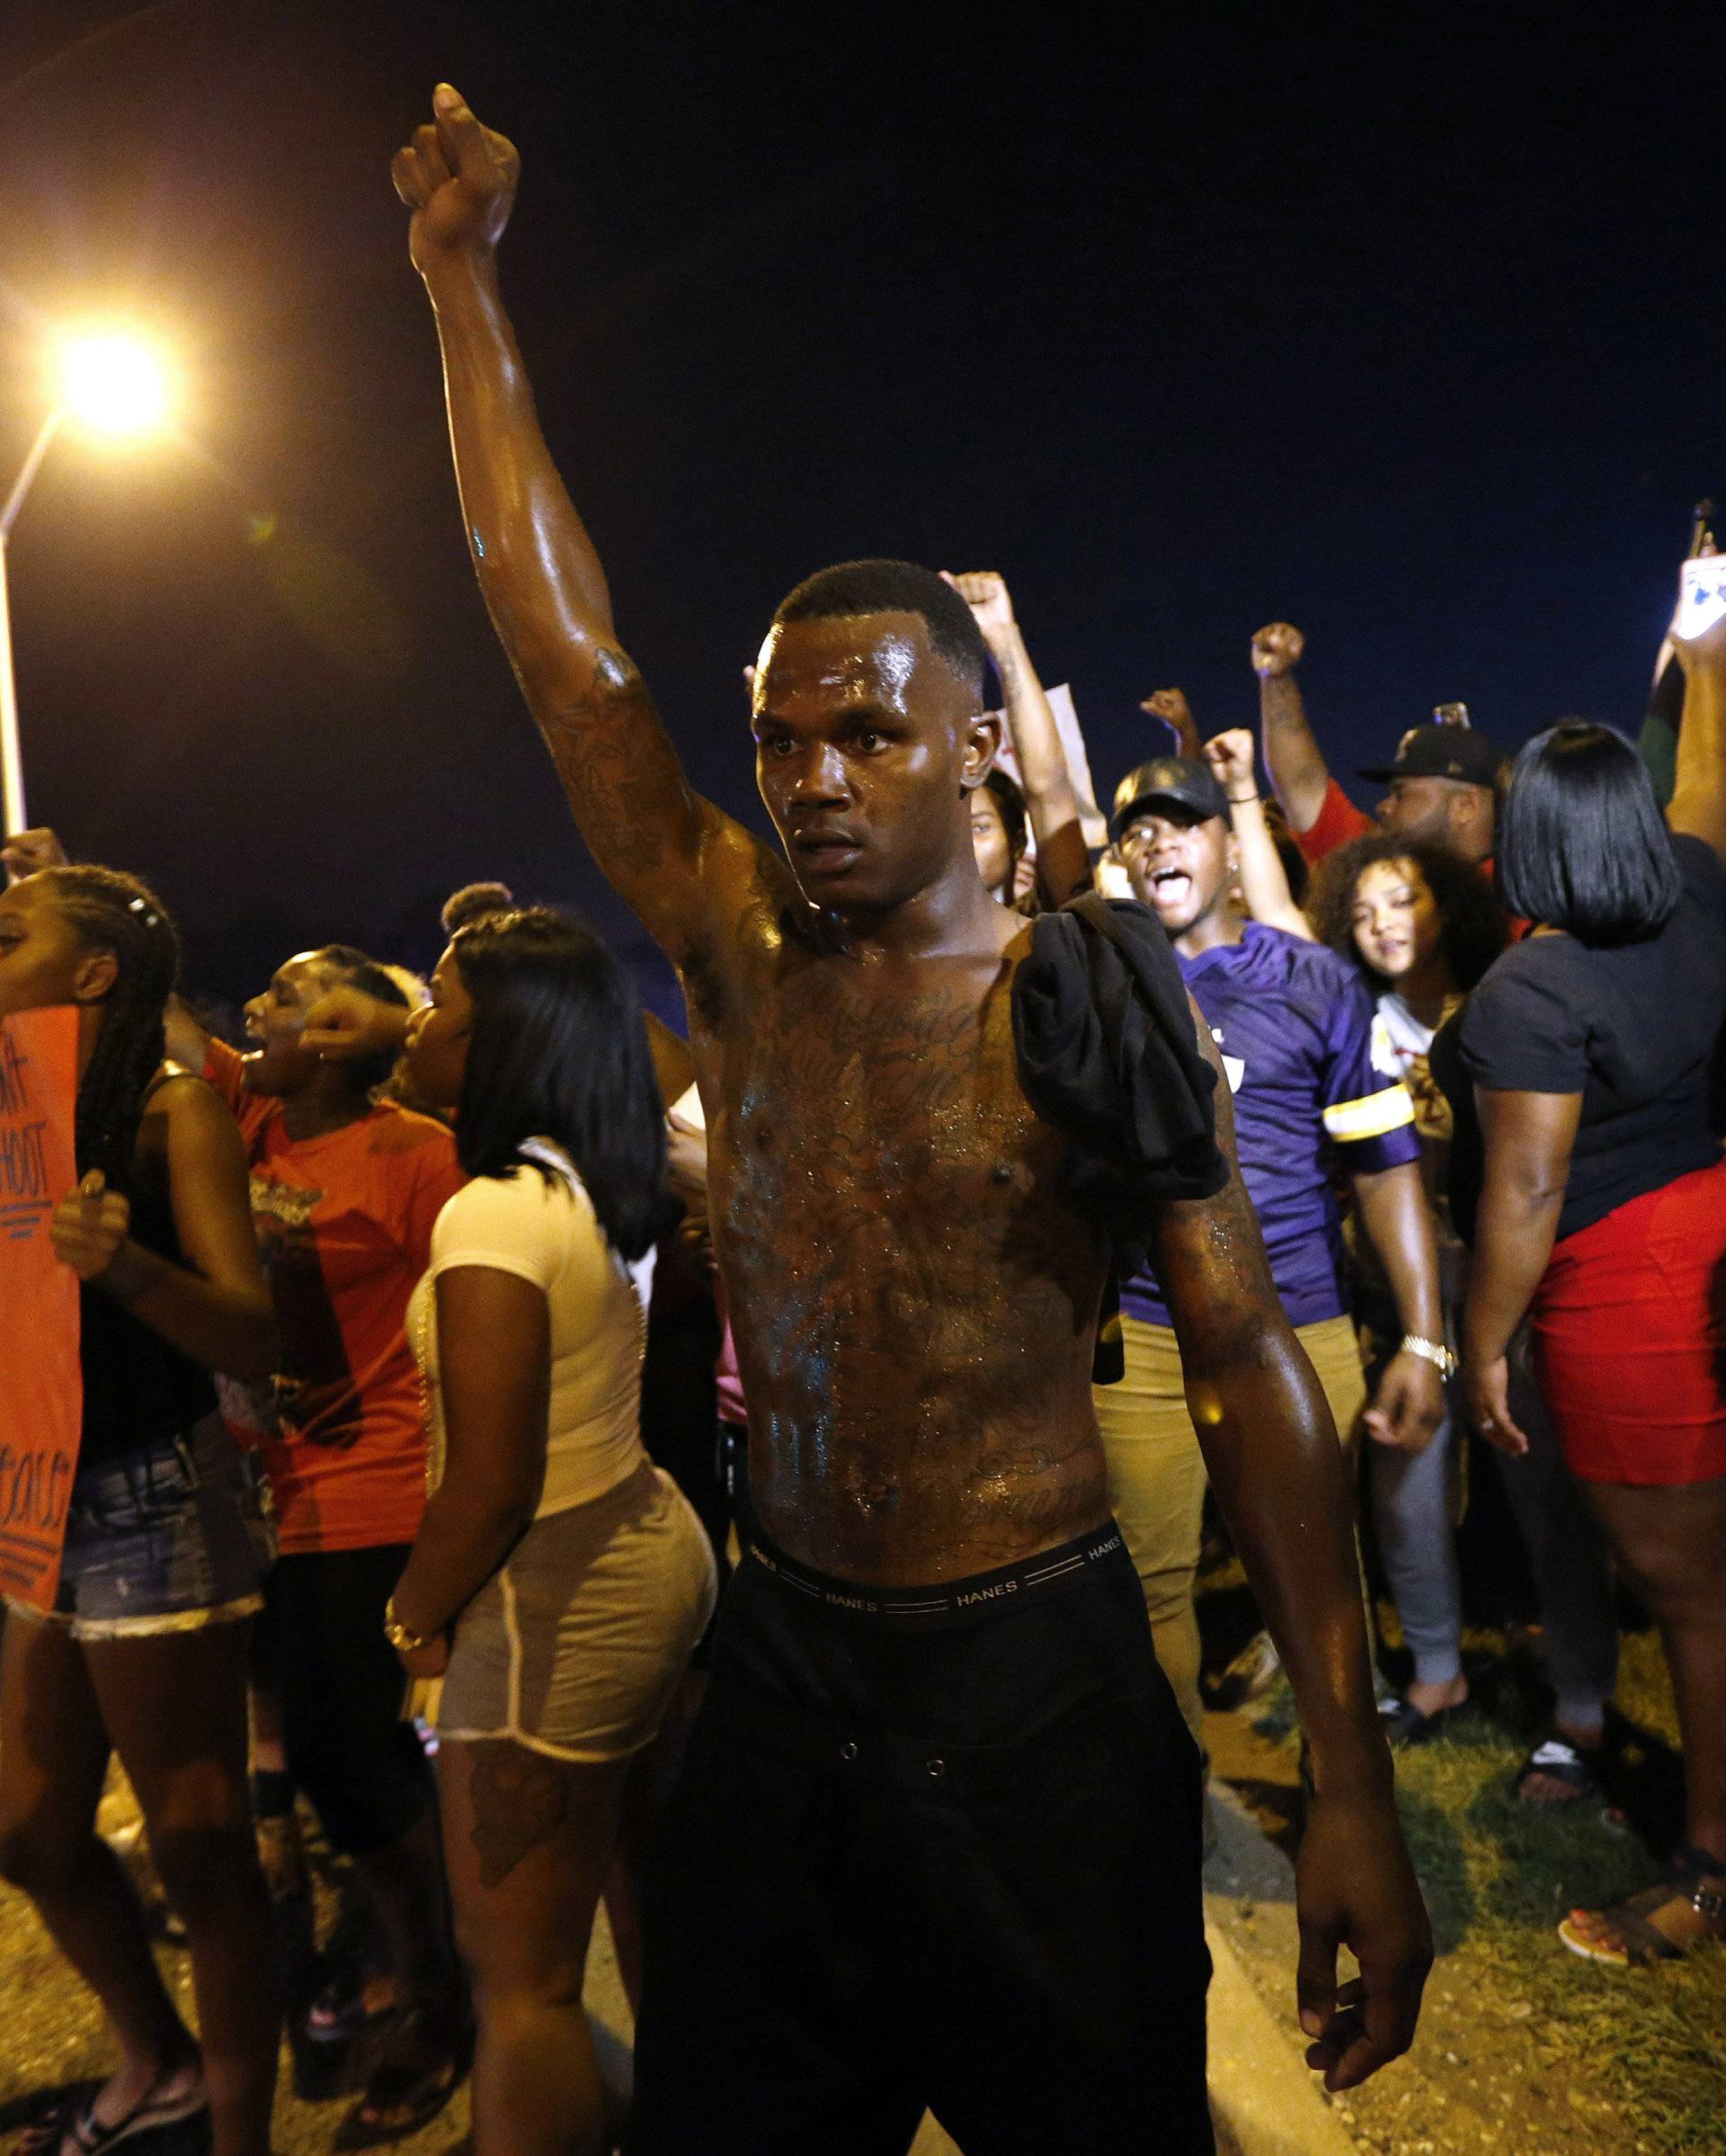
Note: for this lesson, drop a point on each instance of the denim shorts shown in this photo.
(173, 1537)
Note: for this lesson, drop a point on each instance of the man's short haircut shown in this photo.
(850, 589)
(1582, 845)
(1009, 800)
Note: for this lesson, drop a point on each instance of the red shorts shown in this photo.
(1630, 1331)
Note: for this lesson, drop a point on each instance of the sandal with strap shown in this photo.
(1695, 1882)
(1575, 1767)
(74, 2121)
(420, 2063)
(1404, 1725)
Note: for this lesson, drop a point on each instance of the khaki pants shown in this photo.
(1156, 1476)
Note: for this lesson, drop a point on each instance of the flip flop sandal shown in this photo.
(1561, 1761)
(1639, 1943)
(75, 2121)
(422, 2064)
(1405, 1725)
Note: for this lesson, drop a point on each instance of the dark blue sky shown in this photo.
(1407, 326)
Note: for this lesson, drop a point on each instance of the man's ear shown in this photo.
(982, 746)
(94, 979)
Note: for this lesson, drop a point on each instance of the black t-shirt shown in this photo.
(1636, 1030)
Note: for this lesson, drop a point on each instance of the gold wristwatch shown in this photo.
(398, 1635)
(1430, 1350)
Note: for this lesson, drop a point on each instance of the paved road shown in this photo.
(52, 2036)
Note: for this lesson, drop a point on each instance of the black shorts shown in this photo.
(930, 1849)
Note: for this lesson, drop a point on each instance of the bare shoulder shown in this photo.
(180, 1100)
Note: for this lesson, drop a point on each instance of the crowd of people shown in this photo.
(446, 1350)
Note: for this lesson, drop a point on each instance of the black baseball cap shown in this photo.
(1433, 752)
(1167, 779)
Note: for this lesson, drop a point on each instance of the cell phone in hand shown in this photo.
(1702, 594)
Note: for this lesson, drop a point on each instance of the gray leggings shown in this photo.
(1411, 1498)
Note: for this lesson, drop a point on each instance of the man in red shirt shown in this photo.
(1442, 783)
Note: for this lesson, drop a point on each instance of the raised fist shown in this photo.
(1277, 650)
(1230, 756)
(1170, 706)
(458, 178)
(28, 853)
(986, 596)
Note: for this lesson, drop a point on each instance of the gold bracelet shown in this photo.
(1430, 1350)
(398, 1635)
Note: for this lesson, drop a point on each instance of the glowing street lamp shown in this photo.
(110, 385)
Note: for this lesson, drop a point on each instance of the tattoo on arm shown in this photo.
(520, 1802)
(619, 768)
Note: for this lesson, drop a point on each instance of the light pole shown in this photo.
(114, 386)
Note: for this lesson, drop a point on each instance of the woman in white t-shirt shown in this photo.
(559, 1580)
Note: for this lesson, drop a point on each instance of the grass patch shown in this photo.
(1498, 1877)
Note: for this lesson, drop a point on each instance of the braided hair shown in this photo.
(113, 911)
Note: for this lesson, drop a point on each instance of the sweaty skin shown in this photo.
(913, 1299)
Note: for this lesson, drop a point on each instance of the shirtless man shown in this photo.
(937, 1841)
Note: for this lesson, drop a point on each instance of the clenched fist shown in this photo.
(1231, 757)
(991, 607)
(1170, 706)
(1276, 649)
(90, 1226)
(458, 178)
(29, 852)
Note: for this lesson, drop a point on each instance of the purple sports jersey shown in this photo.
(1294, 1025)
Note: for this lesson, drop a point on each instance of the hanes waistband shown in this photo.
(978, 1595)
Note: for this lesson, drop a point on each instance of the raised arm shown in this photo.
(1062, 858)
(1264, 880)
(1293, 757)
(1698, 803)
(1277, 1470)
(680, 864)
(1170, 706)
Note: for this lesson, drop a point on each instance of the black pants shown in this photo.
(323, 1647)
(942, 1858)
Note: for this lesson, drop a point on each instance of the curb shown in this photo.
(1266, 2100)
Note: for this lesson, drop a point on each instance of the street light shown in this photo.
(111, 385)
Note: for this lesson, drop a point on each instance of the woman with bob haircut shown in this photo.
(560, 1580)
(1592, 1048)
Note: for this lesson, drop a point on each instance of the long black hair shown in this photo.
(113, 911)
(1582, 844)
(558, 1050)
(1473, 929)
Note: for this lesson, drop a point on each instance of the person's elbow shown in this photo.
(1530, 1187)
(502, 1499)
(255, 1348)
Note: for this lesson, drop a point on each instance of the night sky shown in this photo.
(1405, 325)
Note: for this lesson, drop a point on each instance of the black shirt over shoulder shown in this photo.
(1635, 1028)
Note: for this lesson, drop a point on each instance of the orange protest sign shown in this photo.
(41, 1384)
